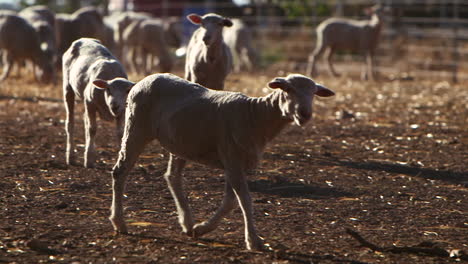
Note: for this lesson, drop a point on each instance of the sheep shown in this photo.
(355, 35)
(18, 43)
(208, 59)
(43, 21)
(147, 38)
(38, 13)
(239, 40)
(85, 22)
(85, 64)
(121, 22)
(219, 129)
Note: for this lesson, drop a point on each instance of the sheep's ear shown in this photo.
(227, 22)
(101, 84)
(130, 86)
(280, 83)
(195, 19)
(323, 91)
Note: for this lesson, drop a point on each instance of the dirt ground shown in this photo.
(388, 160)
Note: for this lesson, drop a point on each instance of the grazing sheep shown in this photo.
(18, 43)
(239, 40)
(147, 39)
(208, 59)
(219, 129)
(347, 34)
(85, 22)
(85, 63)
(43, 21)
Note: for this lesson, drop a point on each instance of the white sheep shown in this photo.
(219, 129)
(147, 39)
(85, 64)
(348, 34)
(43, 21)
(239, 40)
(19, 42)
(84, 22)
(208, 59)
(120, 22)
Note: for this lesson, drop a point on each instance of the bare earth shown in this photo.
(388, 160)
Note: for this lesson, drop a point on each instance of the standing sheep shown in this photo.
(43, 21)
(347, 34)
(18, 43)
(147, 38)
(219, 129)
(85, 22)
(85, 63)
(239, 40)
(121, 22)
(208, 59)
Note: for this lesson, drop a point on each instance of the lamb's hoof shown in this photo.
(188, 233)
(90, 165)
(256, 244)
(201, 229)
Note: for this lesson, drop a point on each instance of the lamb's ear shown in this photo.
(101, 84)
(323, 91)
(130, 86)
(195, 19)
(227, 22)
(280, 83)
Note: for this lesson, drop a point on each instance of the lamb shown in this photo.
(85, 22)
(208, 59)
(355, 35)
(147, 37)
(239, 40)
(219, 129)
(18, 43)
(85, 64)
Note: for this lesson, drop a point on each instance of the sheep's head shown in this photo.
(115, 93)
(212, 25)
(299, 94)
(44, 61)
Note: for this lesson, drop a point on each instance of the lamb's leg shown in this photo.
(238, 181)
(133, 143)
(69, 100)
(132, 59)
(370, 65)
(174, 179)
(90, 134)
(120, 123)
(329, 60)
(311, 66)
(7, 62)
(229, 202)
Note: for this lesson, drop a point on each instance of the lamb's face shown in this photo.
(300, 91)
(115, 94)
(212, 26)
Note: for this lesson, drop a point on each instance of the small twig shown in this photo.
(431, 251)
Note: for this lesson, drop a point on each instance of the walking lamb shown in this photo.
(85, 64)
(219, 129)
